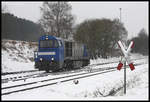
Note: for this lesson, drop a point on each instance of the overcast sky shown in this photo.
(134, 15)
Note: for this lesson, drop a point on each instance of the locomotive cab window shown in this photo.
(49, 43)
(60, 43)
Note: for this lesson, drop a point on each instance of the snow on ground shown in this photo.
(109, 86)
(88, 88)
(99, 87)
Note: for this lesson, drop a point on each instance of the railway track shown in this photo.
(18, 72)
(29, 71)
(46, 82)
(36, 73)
(17, 77)
(112, 62)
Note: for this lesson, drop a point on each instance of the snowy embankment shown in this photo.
(17, 55)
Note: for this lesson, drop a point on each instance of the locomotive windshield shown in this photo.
(48, 43)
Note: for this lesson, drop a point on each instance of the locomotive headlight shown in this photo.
(52, 59)
(41, 59)
(36, 54)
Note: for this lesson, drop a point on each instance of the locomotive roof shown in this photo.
(53, 37)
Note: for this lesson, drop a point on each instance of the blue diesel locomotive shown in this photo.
(56, 53)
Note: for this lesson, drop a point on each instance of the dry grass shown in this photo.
(13, 42)
(11, 47)
(31, 59)
(118, 88)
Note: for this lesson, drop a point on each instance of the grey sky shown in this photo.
(134, 14)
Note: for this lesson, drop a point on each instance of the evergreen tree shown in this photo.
(141, 42)
(15, 28)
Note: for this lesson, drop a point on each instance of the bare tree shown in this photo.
(5, 9)
(57, 19)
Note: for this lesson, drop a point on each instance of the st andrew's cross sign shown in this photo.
(126, 55)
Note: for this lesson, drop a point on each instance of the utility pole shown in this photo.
(120, 15)
(124, 64)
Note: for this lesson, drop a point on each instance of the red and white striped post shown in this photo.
(127, 58)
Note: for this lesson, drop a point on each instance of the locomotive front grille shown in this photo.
(51, 65)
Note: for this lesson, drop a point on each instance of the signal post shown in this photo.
(126, 59)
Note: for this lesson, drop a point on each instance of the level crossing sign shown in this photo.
(126, 57)
(126, 53)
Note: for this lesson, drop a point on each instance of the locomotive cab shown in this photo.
(50, 54)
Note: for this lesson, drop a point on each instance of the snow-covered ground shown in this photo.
(17, 55)
(108, 86)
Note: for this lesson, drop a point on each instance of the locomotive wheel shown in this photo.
(56, 68)
(47, 70)
(85, 63)
(36, 65)
(40, 69)
(68, 65)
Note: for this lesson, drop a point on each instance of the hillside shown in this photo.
(17, 55)
(15, 28)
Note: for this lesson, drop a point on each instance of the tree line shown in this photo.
(141, 42)
(100, 36)
(19, 29)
